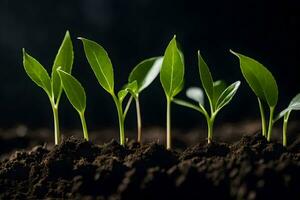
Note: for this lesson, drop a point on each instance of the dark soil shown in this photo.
(252, 168)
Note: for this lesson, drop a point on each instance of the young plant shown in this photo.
(51, 85)
(263, 84)
(76, 95)
(217, 93)
(294, 105)
(103, 70)
(172, 79)
(144, 74)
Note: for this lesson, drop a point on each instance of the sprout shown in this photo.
(144, 74)
(263, 84)
(171, 78)
(217, 93)
(51, 85)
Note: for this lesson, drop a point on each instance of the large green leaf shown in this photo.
(100, 63)
(63, 59)
(145, 72)
(74, 90)
(195, 94)
(259, 79)
(227, 95)
(172, 71)
(199, 108)
(205, 76)
(37, 72)
(294, 105)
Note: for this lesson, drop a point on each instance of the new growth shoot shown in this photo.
(51, 85)
(217, 93)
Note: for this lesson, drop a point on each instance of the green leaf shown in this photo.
(205, 76)
(195, 94)
(172, 71)
(100, 63)
(227, 95)
(64, 59)
(74, 90)
(199, 108)
(37, 72)
(294, 105)
(122, 94)
(219, 86)
(145, 72)
(132, 88)
(259, 78)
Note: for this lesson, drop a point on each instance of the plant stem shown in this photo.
(127, 106)
(57, 136)
(120, 118)
(139, 120)
(84, 127)
(270, 123)
(210, 125)
(284, 128)
(263, 118)
(168, 123)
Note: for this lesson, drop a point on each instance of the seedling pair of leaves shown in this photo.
(53, 85)
(140, 78)
(264, 85)
(218, 94)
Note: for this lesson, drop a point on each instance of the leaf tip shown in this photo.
(234, 53)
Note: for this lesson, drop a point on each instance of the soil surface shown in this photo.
(250, 168)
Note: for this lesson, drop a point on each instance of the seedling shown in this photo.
(172, 79)
(263, 84)
(51, 85)
(76, 95)
(144, 74)
(103, 70)
(217, 93)
(294, 105)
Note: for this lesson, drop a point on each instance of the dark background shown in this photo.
(134, 30)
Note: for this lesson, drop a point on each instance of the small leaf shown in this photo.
(205, 76)
(100, 63)
(145, 72)
(227, 95)
(294, 105)
(219, 87)
(132, 88)
(63, 59)
(195, 94)
(74, 90)
(259, 78)
(37, 72)
(122, 94)
(190, 105)
(172, 71)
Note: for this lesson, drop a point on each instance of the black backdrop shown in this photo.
(133, 30)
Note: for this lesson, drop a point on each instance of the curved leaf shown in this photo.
(294, 105)
(259, 78)
(195, 94)
(122, 94)
(145, 72)
(37, 72)
(100, 63)
(172, 71)
(205, 76)
(219, 87)
(74, 90)
(132, 88)
(227, 95)
(190, 105)
(64, 59)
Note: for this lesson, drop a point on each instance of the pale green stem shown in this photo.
(270, 123)
(284, 128)
(57, 136)
(120, 118)
(210, 125)
(127, 106)
(139, 120)
(263, 118)
(169, 144)
(84, 127)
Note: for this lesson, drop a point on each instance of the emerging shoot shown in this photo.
(172, 79)
(76, 96)
(217, 93)
(51, 85)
